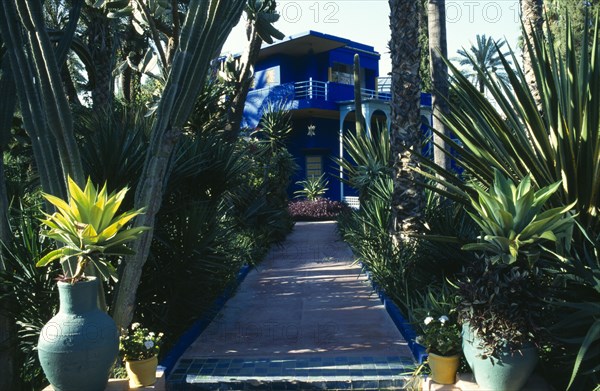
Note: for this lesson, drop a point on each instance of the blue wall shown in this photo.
(324, 143)
(274, 82)
(316, 66)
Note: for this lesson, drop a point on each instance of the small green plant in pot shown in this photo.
(139, 348)
(312, 188)
(89, 229)
(501, 295)
(442, 339)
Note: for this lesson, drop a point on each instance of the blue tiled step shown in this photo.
(292, 373)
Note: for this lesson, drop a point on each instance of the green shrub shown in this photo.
(312, 188)
(29, 293)
(554, 139)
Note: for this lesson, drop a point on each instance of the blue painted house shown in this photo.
(313, 73)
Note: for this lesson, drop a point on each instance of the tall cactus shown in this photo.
(30, 71)
(45, 109)
(7, 332)
(360, 120)
(260, 17)
(48, 119)
(205, 29)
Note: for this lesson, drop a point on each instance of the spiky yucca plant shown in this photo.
(557, 139)
(89, 229)
(560, 140)
(367, 162)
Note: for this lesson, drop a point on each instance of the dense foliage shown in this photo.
(557, 141)
(223, 207)
(505, 299)
(551, 298)
(29, 293)
(404, 270)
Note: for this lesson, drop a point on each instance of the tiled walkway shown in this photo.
(305, 318)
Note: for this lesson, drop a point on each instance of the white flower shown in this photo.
(151, 334)
(443, 319)
(135, 326)
(148, 344)
(428, 320)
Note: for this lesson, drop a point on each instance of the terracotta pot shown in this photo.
(443, 368)
(141, 373)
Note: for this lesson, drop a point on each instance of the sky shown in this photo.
(367, 22)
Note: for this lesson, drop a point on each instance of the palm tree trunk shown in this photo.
(133, 49)
(438, 49)
(405, 134)
(100, 47)
(532, 19)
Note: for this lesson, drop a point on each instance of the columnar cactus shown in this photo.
(204, 32)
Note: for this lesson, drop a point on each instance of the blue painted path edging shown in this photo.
(403, 325)
(168, 363)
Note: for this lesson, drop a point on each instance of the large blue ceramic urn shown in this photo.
(79, 345)
(506, 372)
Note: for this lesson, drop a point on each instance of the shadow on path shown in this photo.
(304, 314)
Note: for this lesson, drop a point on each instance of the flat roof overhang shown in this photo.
(309, 42)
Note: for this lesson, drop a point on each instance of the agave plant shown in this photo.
(513, 223)
(312, 188)
(89, 229)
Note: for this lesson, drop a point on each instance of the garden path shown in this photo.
(305, 315)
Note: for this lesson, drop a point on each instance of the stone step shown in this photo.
(291, 373)
(466, 382)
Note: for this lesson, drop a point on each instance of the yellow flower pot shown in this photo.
(443, 368)
(141, 373)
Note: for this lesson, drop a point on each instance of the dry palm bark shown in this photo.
(405, 134)
(532, 19)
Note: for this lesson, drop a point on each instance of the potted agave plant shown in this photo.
(501, 295)
(139, 348)
(442, 339)
(79, 345)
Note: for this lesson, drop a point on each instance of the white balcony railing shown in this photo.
(314, 89)
(311, 89)
(373, 94)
